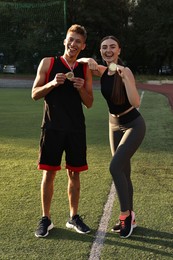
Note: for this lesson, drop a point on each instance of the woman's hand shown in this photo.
(122, 71)
(93, 65)
(96, 69)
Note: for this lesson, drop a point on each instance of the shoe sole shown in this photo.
(131, 230)
(48, 229)
(77, 230)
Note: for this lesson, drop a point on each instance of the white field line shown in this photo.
(102, 228)
(101, 231)
(141, 97)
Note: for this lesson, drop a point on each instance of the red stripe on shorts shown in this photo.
(77, 169)
(48, 167)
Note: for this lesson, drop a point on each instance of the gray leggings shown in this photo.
(124, 141)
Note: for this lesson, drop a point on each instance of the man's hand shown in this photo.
(59, 79)
(78, 83)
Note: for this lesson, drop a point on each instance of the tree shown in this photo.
(153, 33)
(100, 19)
(29, 31)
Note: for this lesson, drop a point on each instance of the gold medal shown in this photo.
(112, 66)
(69, 75)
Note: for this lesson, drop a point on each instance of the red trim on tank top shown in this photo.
(84, 69)
(65, 63)
(50, 68)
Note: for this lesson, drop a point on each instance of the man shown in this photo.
(64, 84)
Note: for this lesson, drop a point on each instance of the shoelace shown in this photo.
(122, 223)
(79, 219)
(80, 223)
(42, 223)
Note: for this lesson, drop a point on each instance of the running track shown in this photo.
(165, 89)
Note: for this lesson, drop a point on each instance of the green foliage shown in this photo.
(37, 29)
(152, 24)
(31, 32)
(100, 18)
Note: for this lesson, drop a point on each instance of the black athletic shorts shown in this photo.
(52, 145)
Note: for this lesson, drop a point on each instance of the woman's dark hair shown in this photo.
(117, 96)
(111, 37)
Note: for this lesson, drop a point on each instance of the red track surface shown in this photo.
(165, 89)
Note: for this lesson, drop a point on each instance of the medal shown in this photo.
(69, 75)
(112, 66)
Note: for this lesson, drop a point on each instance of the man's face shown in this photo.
(74, 44)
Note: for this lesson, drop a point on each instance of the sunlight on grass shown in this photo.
(152, 168)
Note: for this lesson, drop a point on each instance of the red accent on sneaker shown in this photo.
(123, 217)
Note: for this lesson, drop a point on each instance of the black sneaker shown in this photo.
(117, 226)
(126, 228)
(44, 226)
(77, 223)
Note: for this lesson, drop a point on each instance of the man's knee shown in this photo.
(49, 176)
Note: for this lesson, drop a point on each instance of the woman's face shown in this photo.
(110, 50)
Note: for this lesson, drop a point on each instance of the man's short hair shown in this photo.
(78, 29)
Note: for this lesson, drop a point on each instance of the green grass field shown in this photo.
(152, 175)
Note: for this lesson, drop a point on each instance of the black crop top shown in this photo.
(107, 82)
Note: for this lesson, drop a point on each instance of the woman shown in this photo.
(126, 125)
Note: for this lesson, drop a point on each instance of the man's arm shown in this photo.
(40, 89)
(85, 88)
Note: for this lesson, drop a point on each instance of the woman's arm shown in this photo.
(130, 85)
(96, 69)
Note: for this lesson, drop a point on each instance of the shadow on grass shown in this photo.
(70, 234)
(148, 238)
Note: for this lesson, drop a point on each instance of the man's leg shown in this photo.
(75, 220)
(47, 186)
(73, 191)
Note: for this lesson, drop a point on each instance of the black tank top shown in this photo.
(63, 105)
(107, 82)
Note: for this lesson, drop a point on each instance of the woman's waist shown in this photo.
(124, 117)
(122, 113)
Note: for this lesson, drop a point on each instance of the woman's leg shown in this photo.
(132, 135)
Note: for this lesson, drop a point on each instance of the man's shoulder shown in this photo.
(48, 62)
(48, 59)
